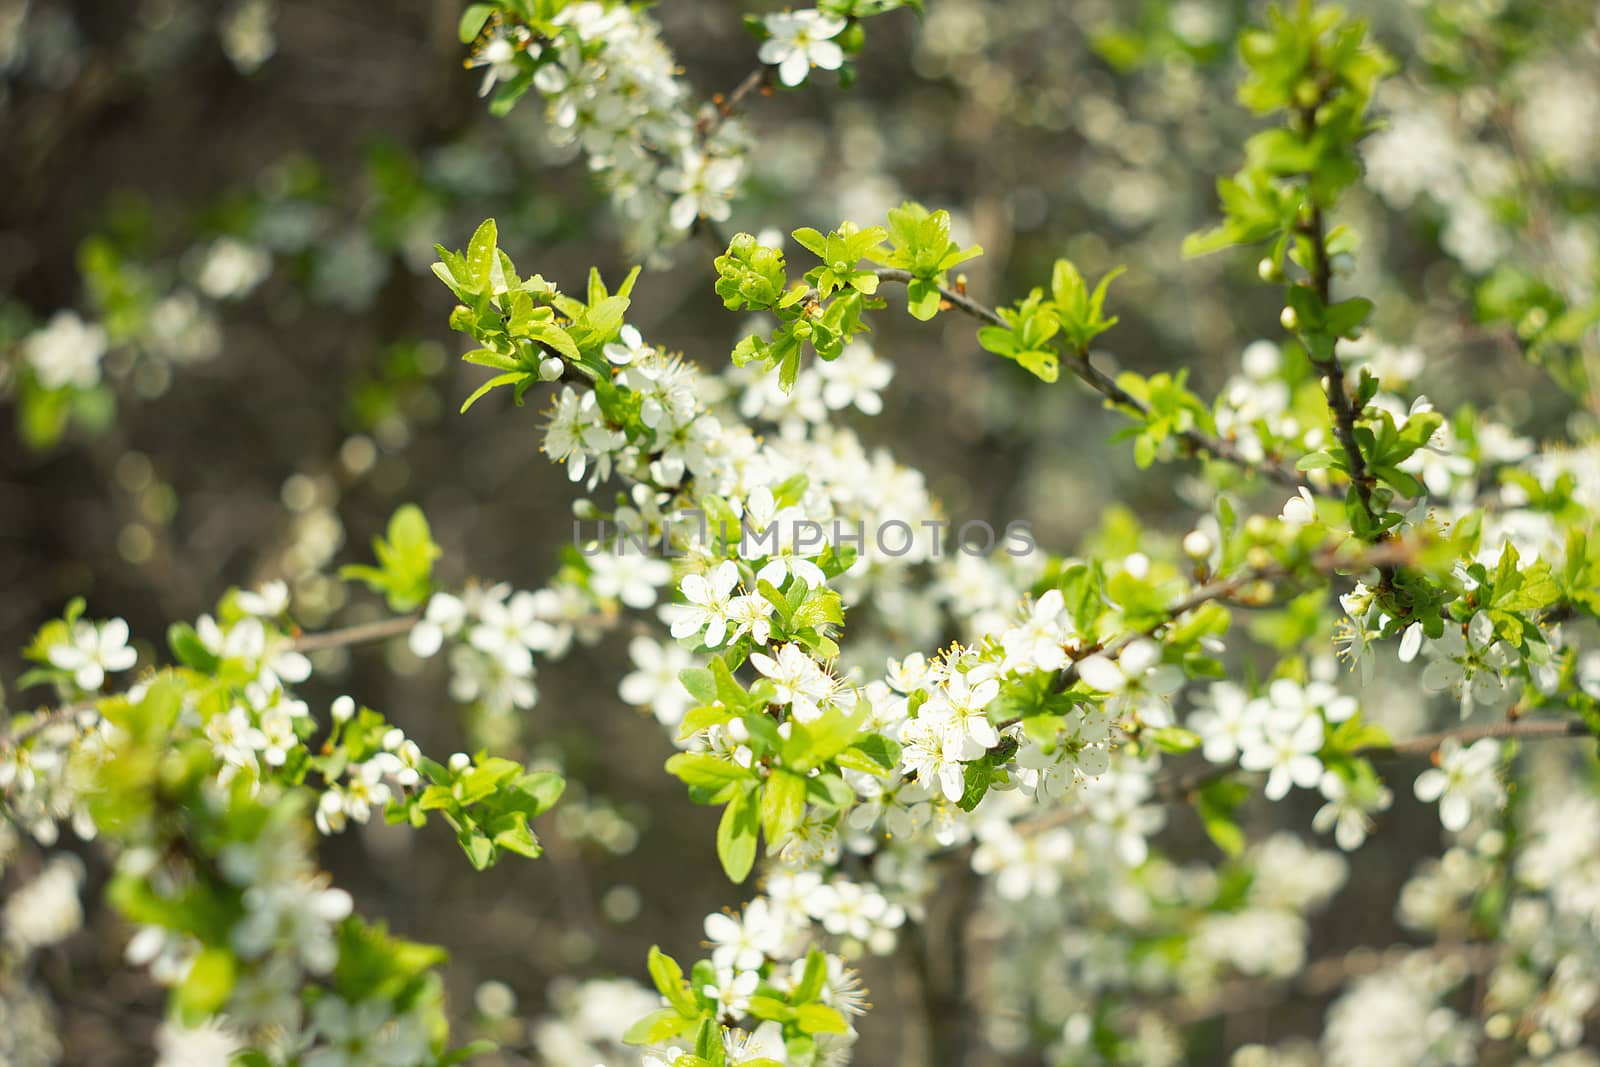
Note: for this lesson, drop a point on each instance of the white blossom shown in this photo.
(800, 40)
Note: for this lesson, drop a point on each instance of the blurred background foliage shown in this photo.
(244, 197)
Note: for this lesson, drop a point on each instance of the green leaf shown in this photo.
(977, 777)
(480, 255)
(701, 683)
(519, 839)
(553, 336)
(812, 241)
(706, 771)
(472, 22)
(815, 743)
(542, 788)
(771, 1008)
(512, 378)
(820, 1019)
(809, 987)
(668, 978)
(188, 648)
(703, 718)
(882, 751)
(658, 1027)
(728, 690)
(783, 807)
(1041, 363)
(736, 835)
(922, 299)
(479, 849)
(1215, 805)
(404, 574)
(1174, 739)
(208, 984)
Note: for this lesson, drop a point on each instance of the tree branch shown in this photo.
(1102, 383)
(1174, 789)
(365, 633)
(1230, 589)
(728, 106)
(361, 634)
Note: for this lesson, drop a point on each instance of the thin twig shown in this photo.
(44, 721)
(1181, 788)
(361, 634)
(1224, 589)
(364, 633)
(1426, 744)
(1332, 371)
(729, 106)
(1102, 383)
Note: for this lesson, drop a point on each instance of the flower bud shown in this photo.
(344, 709)
(1290, 319)
(459, 762)
(550, 368)
(1269, 270)
(1197, 544)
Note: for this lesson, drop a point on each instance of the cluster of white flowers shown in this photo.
(45, 783)
(1465, 783)
(173, 322)
(588, 1021)
(1466, 159)
(494, 634)
(46, 910)
(856, 379)
(287, 931)
(765, 943)
(361, 788)
(66, 352)
(1398, 1017)
(1280, 733)
(1432, 147)
(1066, 959)
(939, 711)
(612, 91)
(1254, 410)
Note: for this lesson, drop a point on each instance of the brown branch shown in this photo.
(1344, 412)
(1102, 383)
(1332, 371)
(362, 634)
(1181, 788)
(1174, 789)
(728, 106)
(1231, 589)
(1515, 729)
(43, 721)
